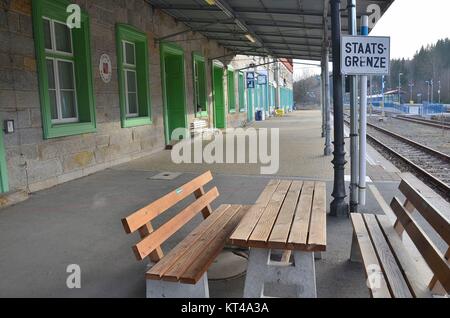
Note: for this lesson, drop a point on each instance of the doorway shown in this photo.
(173, 82)
(219, 97)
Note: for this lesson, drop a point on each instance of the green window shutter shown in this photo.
(64, 71)
(131, 65)
(231, 95)
(241, 92)
(200, 96)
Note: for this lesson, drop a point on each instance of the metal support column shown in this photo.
(354, 136)
(328, 148)
(322, 95)
(326, 77)
(338, 207)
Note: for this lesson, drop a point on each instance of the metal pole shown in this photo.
(382, 97)
(354, 138)
(439, 92)
(363, 125)
(326, 77)
(432, 91)
(399, 88)
(328, 149)
(371, 96)
(322, 97)
(338, 207)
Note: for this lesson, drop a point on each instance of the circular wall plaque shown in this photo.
(105, 68)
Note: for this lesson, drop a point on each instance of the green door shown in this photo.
(219, 97)
(174, 90)
(250, 98)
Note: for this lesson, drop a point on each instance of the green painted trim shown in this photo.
(231, 91)
(56, 9)
(125, 32)
(170, 48)
(241, 92)
(4, 182)
(197, 58)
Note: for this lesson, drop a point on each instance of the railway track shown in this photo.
(423, 121)
(433, 166)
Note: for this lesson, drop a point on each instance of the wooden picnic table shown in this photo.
(289, 216)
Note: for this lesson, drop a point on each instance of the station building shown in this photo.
(113, 88)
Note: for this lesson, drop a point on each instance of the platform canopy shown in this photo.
(279, 28)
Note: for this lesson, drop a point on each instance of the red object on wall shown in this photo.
(289, 64)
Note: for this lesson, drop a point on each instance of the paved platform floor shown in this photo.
(79, 222)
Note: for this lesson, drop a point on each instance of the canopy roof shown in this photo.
(279, 28)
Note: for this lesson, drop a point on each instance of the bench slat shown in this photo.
(282, 228)
(397, 283)
(369, 256)
(415, 279)
(299, 231)
(158, 270)
(434, 258)
(155, 239)
(248, 223)
(318, 228)
(207, 238)
(201, 264)
(158, 253)
(264, 227)
(435, 218)
(138, 219)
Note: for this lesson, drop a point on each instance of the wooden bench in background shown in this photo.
(198, 127)
(391, 267)
(182, 273)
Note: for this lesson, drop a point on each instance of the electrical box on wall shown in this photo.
(9, 126)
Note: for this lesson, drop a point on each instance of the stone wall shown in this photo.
(34, 163)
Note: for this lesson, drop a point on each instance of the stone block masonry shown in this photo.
(33, 163)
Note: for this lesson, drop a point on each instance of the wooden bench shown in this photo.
(289, 216)
(392, 267)
(182, 273)
(198, 127)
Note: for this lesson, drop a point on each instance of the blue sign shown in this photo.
(262, 80)
(250, 80)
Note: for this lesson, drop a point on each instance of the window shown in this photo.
(129, 69)
(241, 88)
(64, 70)
(133, 70)
(231, 93)
(200, 86)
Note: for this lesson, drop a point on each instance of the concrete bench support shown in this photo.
(164, 289)
(261, 271)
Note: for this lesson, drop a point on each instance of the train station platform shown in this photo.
(79, 222)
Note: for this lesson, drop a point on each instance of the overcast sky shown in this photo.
(410, 24)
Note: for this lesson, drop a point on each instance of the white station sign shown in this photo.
(365, 55)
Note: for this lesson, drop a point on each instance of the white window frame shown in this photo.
(53, 39)
(55, 61)
(125, 55)
(58, 89)
(130, 68)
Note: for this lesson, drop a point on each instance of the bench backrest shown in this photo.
(432, 207)
(150, 245)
